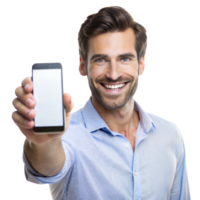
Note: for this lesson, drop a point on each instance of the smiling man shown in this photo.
(112, 70)
(112, 149)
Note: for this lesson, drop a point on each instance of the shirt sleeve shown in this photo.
(180, 189)
(34, 177)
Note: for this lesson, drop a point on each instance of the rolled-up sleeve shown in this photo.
(180, 189)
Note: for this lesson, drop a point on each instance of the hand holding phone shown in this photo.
(25, 113)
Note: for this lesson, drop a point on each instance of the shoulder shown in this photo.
(165, 127)
(167, 133)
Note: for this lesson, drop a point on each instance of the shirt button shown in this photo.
(126, 145)
(135, 173)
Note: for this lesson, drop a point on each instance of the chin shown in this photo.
(112, 104)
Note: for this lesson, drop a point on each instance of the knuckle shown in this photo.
(17, 90)
(13, 115)
(16, 117)
(16, 104)
(17, 87)
(14, 101)
(14, 90)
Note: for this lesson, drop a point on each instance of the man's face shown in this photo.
(113, 68)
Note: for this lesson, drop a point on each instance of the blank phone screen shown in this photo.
(47, 91)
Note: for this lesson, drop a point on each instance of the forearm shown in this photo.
(47, 159)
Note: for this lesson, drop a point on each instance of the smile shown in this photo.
(116, 87)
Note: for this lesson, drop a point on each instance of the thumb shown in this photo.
(67, 100)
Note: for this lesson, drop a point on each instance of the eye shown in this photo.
(100, 60)
(125, 59)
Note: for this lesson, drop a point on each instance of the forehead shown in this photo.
(112, 43)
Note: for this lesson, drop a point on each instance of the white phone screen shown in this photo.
(47, 90)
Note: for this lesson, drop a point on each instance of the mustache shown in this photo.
(117, 81)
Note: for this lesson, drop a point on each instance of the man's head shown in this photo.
(112, 48)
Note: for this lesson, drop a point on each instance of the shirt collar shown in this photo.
(93, 121)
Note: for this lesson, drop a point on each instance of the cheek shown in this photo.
(97, 71)
(130, 70)
(92, 76)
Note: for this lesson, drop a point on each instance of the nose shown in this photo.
(113, 70)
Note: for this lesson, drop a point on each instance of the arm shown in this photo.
(47, 159)
(181, 186)
(44, 152)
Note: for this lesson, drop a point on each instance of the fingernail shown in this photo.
(29, 102)
(26, 86)
(28, 112)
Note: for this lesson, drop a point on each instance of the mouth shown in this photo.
(114, 87)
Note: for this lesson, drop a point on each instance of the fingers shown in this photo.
(21, 121)
(24, 103)
(23, 110)
(26, 98)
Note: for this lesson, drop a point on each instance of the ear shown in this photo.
(82, 68)
(141, 65)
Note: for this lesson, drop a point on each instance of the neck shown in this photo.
(123, 120)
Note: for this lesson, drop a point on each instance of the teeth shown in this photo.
(114, 86)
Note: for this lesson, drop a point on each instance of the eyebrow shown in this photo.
(106, 56)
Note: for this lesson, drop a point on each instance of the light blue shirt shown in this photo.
(101, 165)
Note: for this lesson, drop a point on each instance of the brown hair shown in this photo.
(110, 19)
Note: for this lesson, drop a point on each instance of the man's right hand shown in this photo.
(23, 117)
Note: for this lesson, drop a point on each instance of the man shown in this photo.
(112, 148)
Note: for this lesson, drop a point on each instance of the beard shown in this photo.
(112, 102)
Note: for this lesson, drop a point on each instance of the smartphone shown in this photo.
(48, 92)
